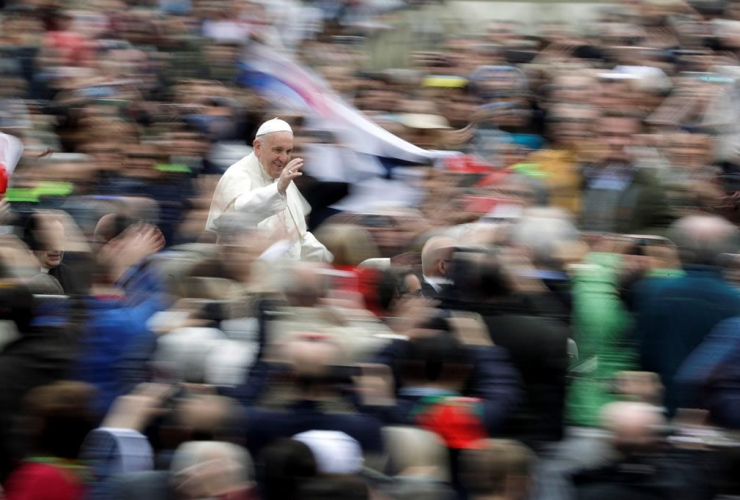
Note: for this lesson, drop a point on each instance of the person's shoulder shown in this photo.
(42, 477)
(238, 169)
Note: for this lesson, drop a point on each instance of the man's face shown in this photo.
(691, 151)
(53, 241)
(274, 152)
(618, 134)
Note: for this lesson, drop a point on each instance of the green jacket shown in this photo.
(602, 325)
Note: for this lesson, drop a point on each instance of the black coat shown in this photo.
(39, 357)
(538, 348)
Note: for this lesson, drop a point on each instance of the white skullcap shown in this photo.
(335, 452)
(272, 126)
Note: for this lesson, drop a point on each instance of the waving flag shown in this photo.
(278, 78)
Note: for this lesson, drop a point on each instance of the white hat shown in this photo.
(335, 452)
(424, 121)
(272, 126)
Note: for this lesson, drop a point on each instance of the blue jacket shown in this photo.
(114, 328)
(674, 315)
(710, 377)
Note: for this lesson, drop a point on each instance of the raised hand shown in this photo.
(136, 410)
(291, 171)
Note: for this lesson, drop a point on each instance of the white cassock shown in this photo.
(246, 188)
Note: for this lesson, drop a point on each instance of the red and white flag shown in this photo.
(11, 150)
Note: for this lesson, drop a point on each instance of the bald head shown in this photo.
(306, 283)
(312, 357)
(702, 239)
(436, 256)
(633, 425)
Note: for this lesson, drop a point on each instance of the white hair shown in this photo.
(542, 230)
(195, 453)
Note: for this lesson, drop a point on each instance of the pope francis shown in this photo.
(261, 186)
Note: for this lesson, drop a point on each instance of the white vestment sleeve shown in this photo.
(262, 202)
(313, 251)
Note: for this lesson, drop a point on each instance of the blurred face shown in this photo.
(692, 151)
(311, 358)
(617, 134)
(413, 285)
(572, 125)
(574, 89)
(53, 239)
(274, 152)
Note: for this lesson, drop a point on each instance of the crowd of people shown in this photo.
(208, 293)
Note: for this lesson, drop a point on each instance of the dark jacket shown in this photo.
(667, 475)
(539, 349)
(264, 426)
(39, 357)
(641, 207)
(672, 317)
(710, 377)
(494, 380)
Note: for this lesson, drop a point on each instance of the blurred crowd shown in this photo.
(552, 313)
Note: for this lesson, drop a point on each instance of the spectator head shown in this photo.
(573, 88)
(480, 277)
(548, 234)
(437, 359)
(394, 284)
(312, 358)
(702, 239)
(634, 426)
(59, 417)
(497, 468)
(436, 256)
(417, 452)
(335, 488)
(572, 123)
(204, 469)
(350, 245)
(286, 464)
(693, 151)
(618, 131)
(273, 146)
(305, 284)
(45, 237)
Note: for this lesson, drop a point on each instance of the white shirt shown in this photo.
(246, 188)
(437, 283)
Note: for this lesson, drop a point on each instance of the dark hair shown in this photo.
(335, 488)
(486, 467)
(479, 277)
(30, 228)
(390, 285)
(61, 417)
(284, 465)
(433, 358)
